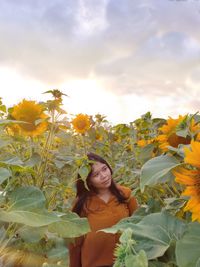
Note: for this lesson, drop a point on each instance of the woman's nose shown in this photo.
(102, 175)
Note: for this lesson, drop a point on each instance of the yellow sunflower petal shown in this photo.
(190, 191)
(187, 177)
(196, 217)
(192, 155)
(191, 204)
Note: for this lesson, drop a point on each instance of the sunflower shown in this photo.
(32, 113)
(98, 136)
(192, 155)
(117, 138)
(144, 142)
(81, 123)
(191, 179)
(69, 193)
(168, 136)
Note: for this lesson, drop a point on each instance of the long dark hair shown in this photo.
(82, 192)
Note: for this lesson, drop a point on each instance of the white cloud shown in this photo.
(136, 50)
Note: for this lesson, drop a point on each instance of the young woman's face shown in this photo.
(101, 176)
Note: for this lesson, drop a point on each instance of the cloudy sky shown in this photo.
(120, 58)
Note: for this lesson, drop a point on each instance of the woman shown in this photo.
(104, 204)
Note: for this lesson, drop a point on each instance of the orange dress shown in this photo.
(96, 248)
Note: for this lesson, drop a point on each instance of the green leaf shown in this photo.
(139, 260)
(84, 171)
(159, 264)
(4, 122)
(32, 234)
(58, 253)
(70, 226)
(188, 249)
(30, 218)
(183, 133)
(146, 153)
(126, 235)
(3, 108)
(12, 162)
(154, 233)
(157, 170)
(126, 222)
(34, 160)
(27, 198)
(4, 174)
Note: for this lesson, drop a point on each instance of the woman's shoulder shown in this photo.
(125, 190)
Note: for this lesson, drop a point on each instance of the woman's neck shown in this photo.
(104, 194)
(103, 191)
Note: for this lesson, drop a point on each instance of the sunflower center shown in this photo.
(174, 140)
(28, 126)
(81, 124)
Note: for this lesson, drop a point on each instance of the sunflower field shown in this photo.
(43, 149)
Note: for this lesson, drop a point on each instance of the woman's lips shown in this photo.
(105, 182)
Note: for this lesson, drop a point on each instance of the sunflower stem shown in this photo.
(47, 149)
(84, 144)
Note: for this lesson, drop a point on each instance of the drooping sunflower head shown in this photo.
(190, 178)
(81, 123)
(31, 113)
(168, 136)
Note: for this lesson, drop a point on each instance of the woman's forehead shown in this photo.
(97, 166)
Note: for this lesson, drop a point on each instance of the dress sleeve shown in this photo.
(132, 205)
(75, 248)
(131, 200)
(75, 252)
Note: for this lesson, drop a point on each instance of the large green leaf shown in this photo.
(15, 161)
(4, 174)
(59, 251)
(70, 226)
(146, 153)
(32, 234)
(30, 218)
(157, 170)
(27, 198)
(34, 160)
(27, 206)
(154, 233)
(188, 247)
